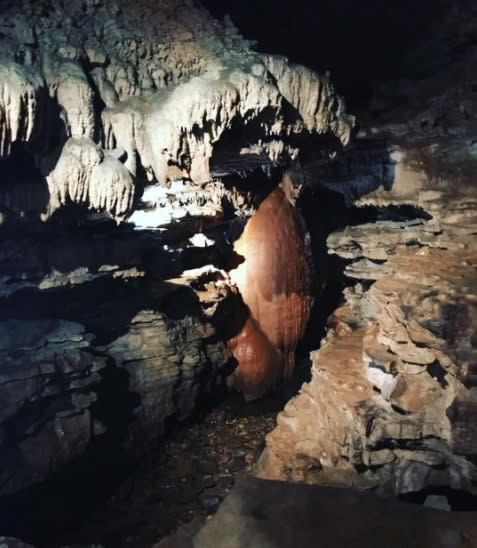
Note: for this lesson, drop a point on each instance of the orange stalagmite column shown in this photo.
(274, 281)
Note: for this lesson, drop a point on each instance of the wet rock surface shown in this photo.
(274, 282)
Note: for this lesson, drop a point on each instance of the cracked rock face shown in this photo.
(392, 400)
(390, 389)
(155, 113)
(47, 374)
(108, 95)
(61, 388)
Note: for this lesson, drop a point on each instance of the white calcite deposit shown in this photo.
(164, 82)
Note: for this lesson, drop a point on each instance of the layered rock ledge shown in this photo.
(392, 400)
(155, 113)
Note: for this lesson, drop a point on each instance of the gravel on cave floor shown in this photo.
(184, 479)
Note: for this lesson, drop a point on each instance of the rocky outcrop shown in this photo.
(151, 351)
(46, 383)
(168, 364)
(312, 96)
(118, 93)
(275, 514)
(100, 103)
(21, 103)
(62, 388)
(274, 282)
(393, 382)
(380, 409)
(86, 175)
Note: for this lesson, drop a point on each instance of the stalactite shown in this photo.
(165, 102)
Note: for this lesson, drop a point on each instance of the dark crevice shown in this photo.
(436, 371)
(23, 188)
(459, 501)
(400, 410)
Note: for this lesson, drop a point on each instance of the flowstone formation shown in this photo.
(275, 283)
(109, 96)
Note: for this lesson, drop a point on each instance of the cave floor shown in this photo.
(185, 477)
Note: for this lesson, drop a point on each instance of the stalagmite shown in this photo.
(274, 281)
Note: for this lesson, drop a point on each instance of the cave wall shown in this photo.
(392, 400)
(103, 101)
(120, 94)
(159, 117)
(67, 385)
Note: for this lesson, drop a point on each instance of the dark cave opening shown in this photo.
(23, 188)
(360, 43)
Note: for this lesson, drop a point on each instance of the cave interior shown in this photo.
(238, 273)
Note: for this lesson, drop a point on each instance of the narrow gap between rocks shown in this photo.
(451, 499)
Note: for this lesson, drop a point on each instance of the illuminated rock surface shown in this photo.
(113, 109)
(392, 400)
(274, 282)
(119, 93)
(112, 332)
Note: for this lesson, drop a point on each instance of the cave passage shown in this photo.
(172, 481)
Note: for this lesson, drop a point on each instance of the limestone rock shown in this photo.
(84, 174)
(60, 384)
(266, 514)
(76, 97)
(348, 412)
(46, 365)
(22, 96)
(165, 362)
(165, 83)
(314, 98)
